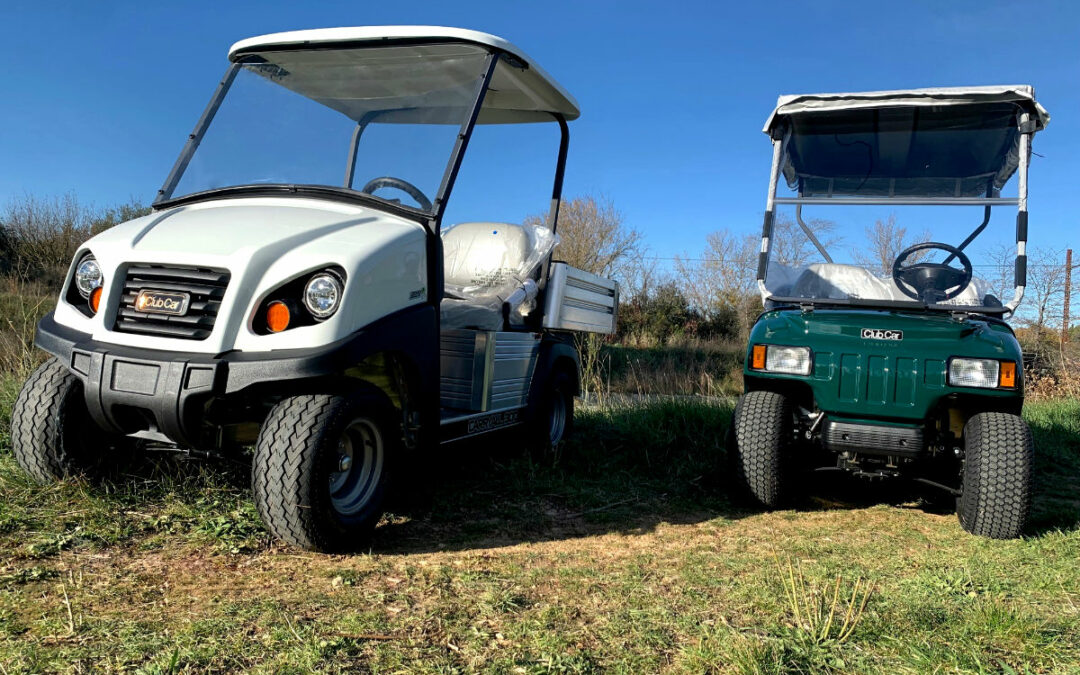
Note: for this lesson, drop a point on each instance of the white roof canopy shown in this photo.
(946, 142)
(519, 91)
(793, 104)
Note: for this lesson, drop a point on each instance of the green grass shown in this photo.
(622, 554)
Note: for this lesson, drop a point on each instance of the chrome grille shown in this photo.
(206, 287)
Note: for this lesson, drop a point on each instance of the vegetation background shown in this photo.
(622, 553)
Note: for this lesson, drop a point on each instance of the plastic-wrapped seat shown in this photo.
(486, 265)
(838, 281)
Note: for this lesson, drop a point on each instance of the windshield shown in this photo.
(950, 163)
(296, 117)
(864, 243)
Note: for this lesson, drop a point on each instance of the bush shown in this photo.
(39, 237)
(663, 313)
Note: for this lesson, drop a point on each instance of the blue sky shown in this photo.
(98, 97)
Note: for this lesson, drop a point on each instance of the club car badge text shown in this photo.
(879, 334)
(161, 302)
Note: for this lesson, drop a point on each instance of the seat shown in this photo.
(837, 281)
(479, 259)
(483, 265)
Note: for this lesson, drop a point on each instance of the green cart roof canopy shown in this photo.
(945, 142)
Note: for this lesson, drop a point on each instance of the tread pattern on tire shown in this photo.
(37, 423)
(998, 476)
(762, 424)
(285, 467)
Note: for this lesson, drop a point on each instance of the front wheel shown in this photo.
(52, 434)
(996, 488)
(760, 446)
(322, 468)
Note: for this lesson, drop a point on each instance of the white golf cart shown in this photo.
(268, 300)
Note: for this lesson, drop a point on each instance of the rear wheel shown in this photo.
(322, 467)
(52, 434)
(554, 420)
(996, 489)
(760, 445)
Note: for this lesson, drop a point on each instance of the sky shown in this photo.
(99, 97)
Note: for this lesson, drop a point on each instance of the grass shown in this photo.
(701, 368)
(622, 554)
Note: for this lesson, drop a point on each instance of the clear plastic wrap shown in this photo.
(488, 259)
(487, 265)
(837, 281)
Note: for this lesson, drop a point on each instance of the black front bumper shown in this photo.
(130, 390)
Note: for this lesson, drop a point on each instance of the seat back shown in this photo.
(480, 256)
(838, 281)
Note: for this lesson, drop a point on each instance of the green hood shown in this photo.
(887, 365)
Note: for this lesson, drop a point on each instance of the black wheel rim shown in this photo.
(358, 467)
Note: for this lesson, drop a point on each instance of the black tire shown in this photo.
(52, 434)
(996, 487)
(304, 492)
(760, 447)
(554, 414)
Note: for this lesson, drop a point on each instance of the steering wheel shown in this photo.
(930, 282)
(400, 184)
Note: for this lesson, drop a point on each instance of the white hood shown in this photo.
(263, 243)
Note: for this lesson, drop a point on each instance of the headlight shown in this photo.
(983, 373)
(87, 275)
(780, 359)
(322, 294)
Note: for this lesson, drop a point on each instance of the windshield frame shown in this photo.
(164, 198)
(1026, 130)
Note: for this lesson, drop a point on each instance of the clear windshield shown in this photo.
(913, 155)
(292, 118)
(864, 243)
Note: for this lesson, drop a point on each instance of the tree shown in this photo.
(790, 245)
(593, 236)
(1044, 294)
(724, 280)
(885, 241)
(1045, 290)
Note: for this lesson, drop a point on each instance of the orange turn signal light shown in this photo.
(277, 316)
(95, 299)
(757, 357)
(1007, 374)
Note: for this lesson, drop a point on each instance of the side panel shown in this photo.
(486, 370)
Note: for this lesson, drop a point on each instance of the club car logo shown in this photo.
(880, 334)
(161, 302)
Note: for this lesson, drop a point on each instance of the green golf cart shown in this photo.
(913, 374)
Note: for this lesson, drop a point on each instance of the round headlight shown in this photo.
(322, 295)
(87, 276)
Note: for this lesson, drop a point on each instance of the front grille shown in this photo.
(205, 286)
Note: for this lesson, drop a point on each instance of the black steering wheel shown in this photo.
(930, 282)
(400, 184)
